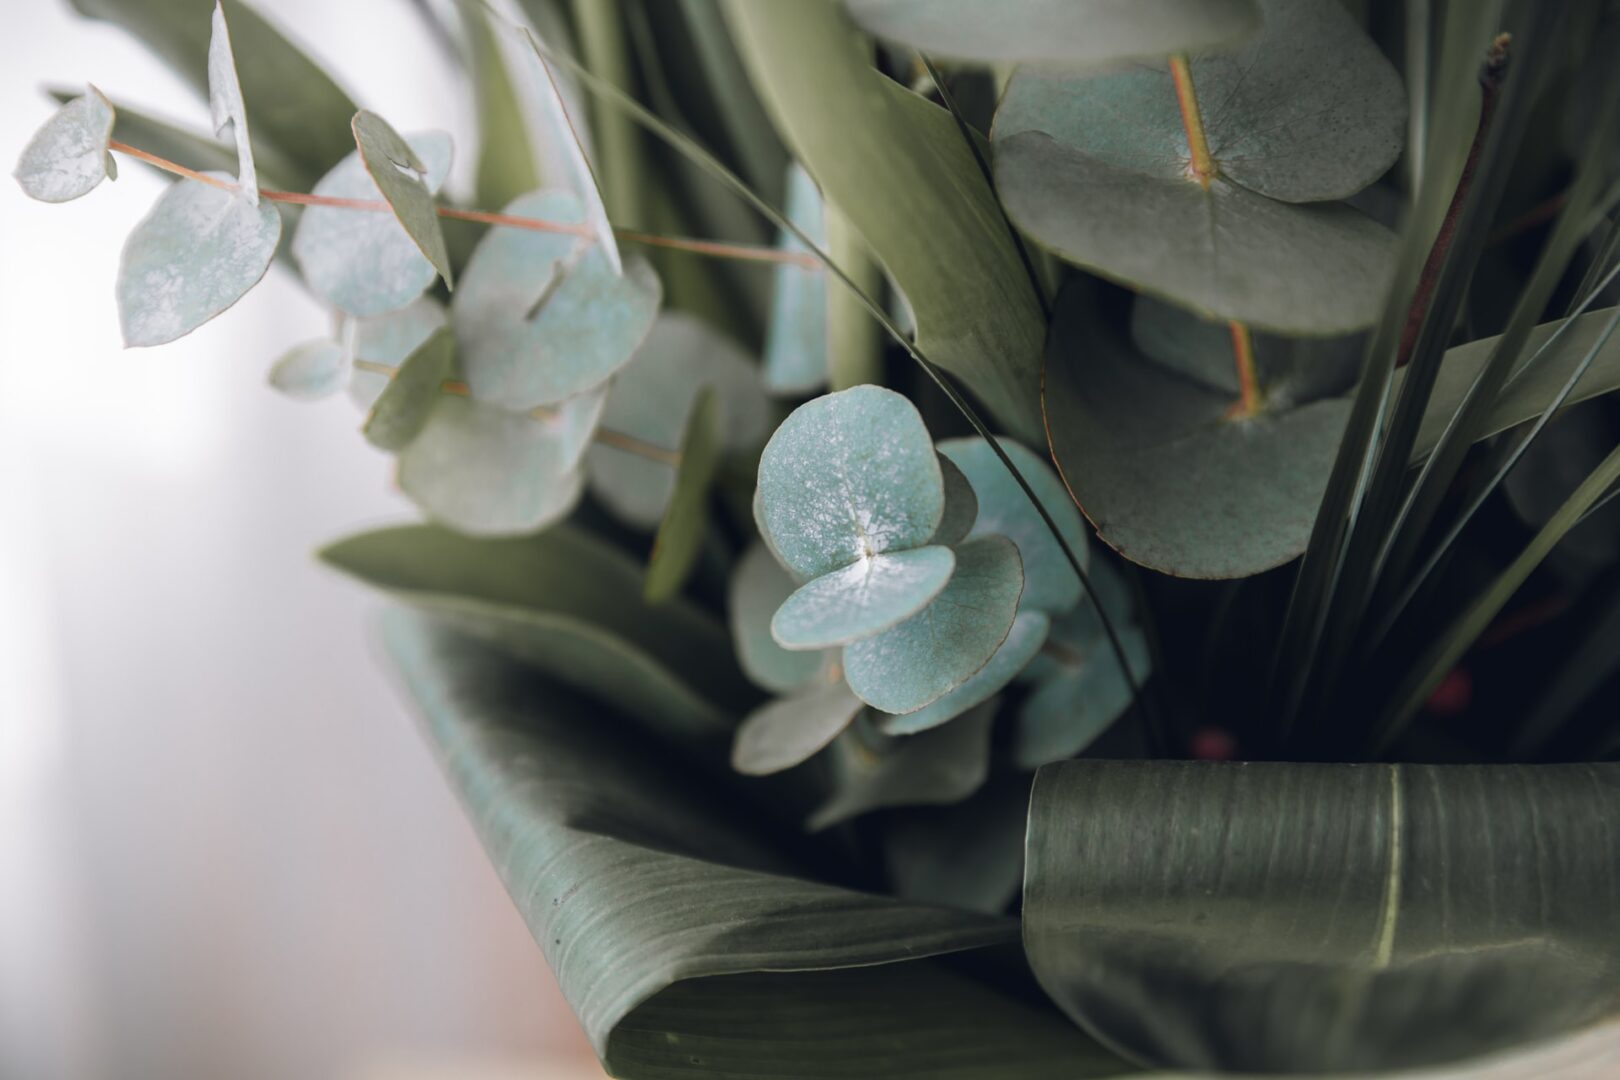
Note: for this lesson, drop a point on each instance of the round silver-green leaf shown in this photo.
(1025, 639)
(67, 157)
(864, 598)
(758, 587)
(311, 371)
(961, 505)
(791, 730)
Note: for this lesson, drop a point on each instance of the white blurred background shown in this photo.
(224, 849)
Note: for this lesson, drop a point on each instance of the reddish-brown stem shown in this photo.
(1490, 81)
(1200, 165)
(713, 248)
(1248, 403)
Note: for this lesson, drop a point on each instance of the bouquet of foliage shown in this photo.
(886, 460)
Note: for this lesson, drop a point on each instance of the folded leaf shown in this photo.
(225, 103)
(402, 177)
(1308, 918)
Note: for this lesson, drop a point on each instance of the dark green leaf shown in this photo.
(403, 408)
(939, 767)
(686, 521)
(970, 855)
(403, 179)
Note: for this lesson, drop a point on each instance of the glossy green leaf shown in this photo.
(225, 104)
(1024, 640)
(758, 587)
(790, 730)
(570, 606)
(910, 185)
(1323, 917)
(1167, 476)
(649, 401)
(686, 522)
(1050, 584)
(681, 935)
(970, 855)
(847, 476)
(299, 113)
(386, 340)
(961, 505)
(311, 371)
(67, 157)
(864, 598)
(197, 252)
(487, 471)
(363, 262)
(403, 179)
(796, 341)
(403, 408)
(1057, 32)
(949, 641)
(935, 768)
(542, 316)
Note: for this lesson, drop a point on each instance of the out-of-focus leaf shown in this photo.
(385, 341)
(1170, 479)
(402, 177)
(1050, 584)
(300, 115)
(866, 597)
(506, 160)
(970, 855)
(961, 505)
(363, 262)
(1323, 917)
(225, 104)
(790, 730)
(570, 605)
(311, 371)
(796, 358)
(938, 767)
(195, 149)
(847, 476)
(758, 587)
(686, 521)
(649, 401)
(1057, 32)
(910, 185)
(487, 471)
(1080, 688)
(1024, 640)
(67, 157)
(946, 643)
(197, 252)
(403, 408)
(542, 316)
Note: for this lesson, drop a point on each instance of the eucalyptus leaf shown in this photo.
(945, 644)
(677, 932)
(1024, 640)
(864, 598)
(848, 476)
(225, 104)
(970, 855)
(410, 397)
(790, 730)
(1168, 476)
(542, 316)
(487, 471)
(911, 186)
(796, 341)
(311, 371)
(363, 262)
(686, 522)
(1323, 917)
(758, 587)
(1050, 584)
(1080, 688)
(402, 177)
(649, 401)
(1057, 32)
(935, 768)
(194, 148)
(197, 252)
(571, 606)
(961, 505)
(67, 157)
(384, 341)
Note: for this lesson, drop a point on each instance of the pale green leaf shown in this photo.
(680, 535)
(225, 104)
(935, 768)
(790, 730)
(758, 587)
(649, 401)
(197, 252)
(847, 476)
(403, 408)
(1057, 32)
(1024, 640)
(864, 598)
(403, 179)
(949, 641)
(1050, 584)
(363, 262)
(311, 371)
(796, 359)
(67, 157)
